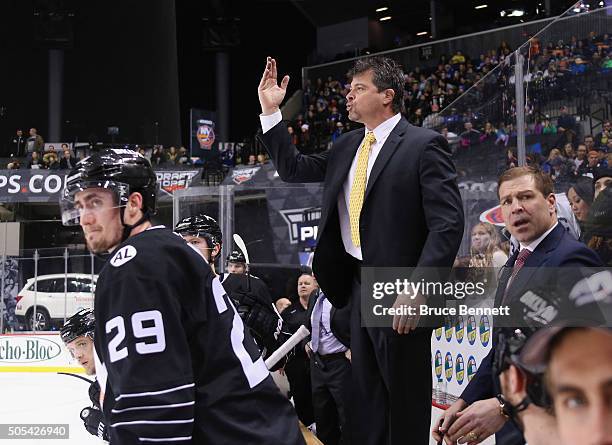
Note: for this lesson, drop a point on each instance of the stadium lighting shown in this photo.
(512, 13)
(384, 8)
(422, 33)
(480, 6)
(382, 19)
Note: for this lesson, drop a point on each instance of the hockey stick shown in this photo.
(77, 376)
(284, 349)
(242, 246)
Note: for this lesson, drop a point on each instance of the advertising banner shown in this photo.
(40, 352)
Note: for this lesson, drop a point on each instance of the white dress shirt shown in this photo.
(381, 133)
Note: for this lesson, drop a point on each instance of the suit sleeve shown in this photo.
(147, 358)
(481, 385)
(442, 205)
(292, 166)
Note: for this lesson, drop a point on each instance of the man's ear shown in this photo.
(517, 384)
(134, 206)
(389, 95)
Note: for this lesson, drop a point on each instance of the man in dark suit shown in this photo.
(390, 200)
(330, 367)
(68, 161)
(528, 207)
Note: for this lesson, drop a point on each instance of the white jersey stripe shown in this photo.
(153, 393)
(167, 439)
(152, 422)
(173, 405)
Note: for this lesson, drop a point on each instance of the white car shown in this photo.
(54, 301)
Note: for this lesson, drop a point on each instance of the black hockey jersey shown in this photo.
(178, 361)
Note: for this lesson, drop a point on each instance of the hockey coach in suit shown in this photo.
(390, 199)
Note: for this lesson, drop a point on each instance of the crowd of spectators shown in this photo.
(551, 67)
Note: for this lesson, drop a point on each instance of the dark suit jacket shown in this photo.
(64, 162)
(339, 320)
(412, 213)
(558, 249)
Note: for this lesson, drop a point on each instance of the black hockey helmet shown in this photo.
(236, 257)
(121, 171)
(202, 226)
(81, 323)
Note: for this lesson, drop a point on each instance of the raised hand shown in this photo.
(270, 93)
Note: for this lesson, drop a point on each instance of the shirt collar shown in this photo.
(383, 130)
(532, 246)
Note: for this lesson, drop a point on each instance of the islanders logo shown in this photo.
(493, 216)
(471, 329)
(448, 366)
(485, 330)
(459, 369)
(438, 333)
(471, 368)
(448, 329)
(459, 329)
(205, 134)
(438, 363)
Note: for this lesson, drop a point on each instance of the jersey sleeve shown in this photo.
(147, 357)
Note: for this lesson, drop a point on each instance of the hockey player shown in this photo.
(236, 263)
(77, 334)
(179, 366)
(249, 293)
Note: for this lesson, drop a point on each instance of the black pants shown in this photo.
(390, 391)
(330, 377)
(298, 374)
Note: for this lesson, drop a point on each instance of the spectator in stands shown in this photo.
(589, 141)
(172, 155)
(17, 145)
(158, 156)
(183, 157)
(598, 227)
(293, 135)
(548, 127)
(35, 142)
(252, 160)
(457, 58)
(547, 165)
(568, 152)
(52, 162)
(566, 121)
(68, 161)
(489, 134)
(502, 137)
(35, 161)
(580, 197)
(261, 159)
(602, 180)
(581, 158)
(486, 256)
(511, 160)
(602, 138)
(337, 132)
(470, 136)
(14, 165)
(591, 165)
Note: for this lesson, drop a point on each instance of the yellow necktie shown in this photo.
(359, 185)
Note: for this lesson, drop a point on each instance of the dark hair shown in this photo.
(584, 189)
(386, 74)
(543, 182)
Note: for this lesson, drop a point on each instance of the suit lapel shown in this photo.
(387, 150)
(535, 259)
